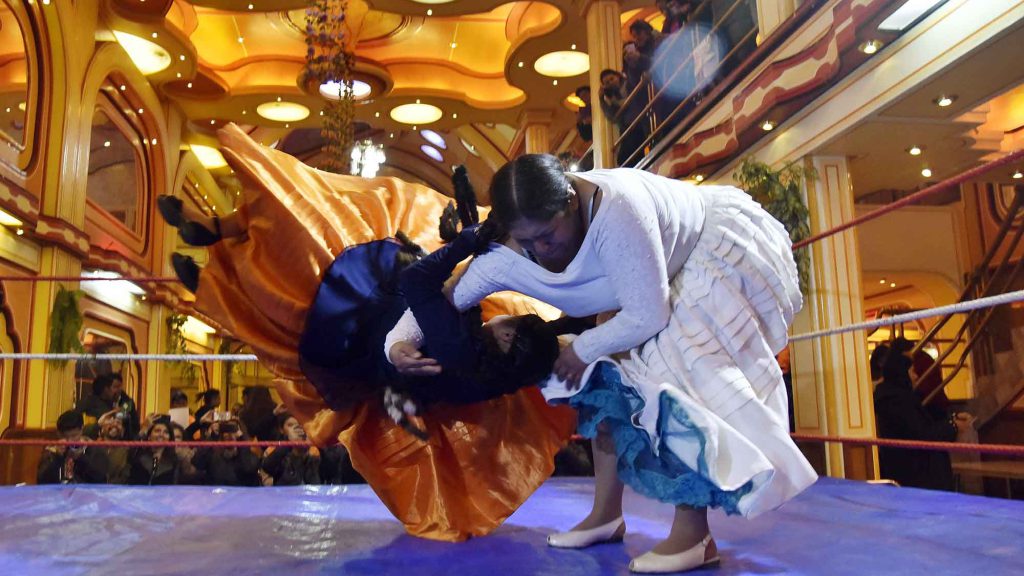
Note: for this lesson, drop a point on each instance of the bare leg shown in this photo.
(688, 528)
(607, 486)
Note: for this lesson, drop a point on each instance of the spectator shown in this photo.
(210, 402)
(292, 466)
(257, 413)
(187, 472)
(736, 29)
(899, 414)
(612, 97)
(227, 466)
(154, 466)
(112, 428)
(647, 41)
(938, 406)
(108, 393)
(72, 464)
(787, 378)
(336, 467)
(584, 115)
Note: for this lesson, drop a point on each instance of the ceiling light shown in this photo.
(9, 219)
(430, 12)
(181, 57)
(882, 281)
(892, 285)
(416, 113)
(768, 126)
(914, 150)
(123, 87)
(117, 285)
(562, 64)
(155, 35)
(927, 172)
(575, 101)
(907, 14)
(573, 47)
(251, 6)
(699, 177)
(209, 157)
(469, 147)
(554, 82)
(332, 90)
(241, 40)
(1017, 175)
(106, 144)
(282, 111)
(153, 141)
(943, 101)
(432, 152)
(189, 85)
(454, 44)
(870, 47)
(521, 64)
(147, 56)
(434, 138)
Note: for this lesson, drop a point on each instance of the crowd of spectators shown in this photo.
(699, 41)
(108, 414)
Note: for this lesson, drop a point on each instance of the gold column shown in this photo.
(831, 381)
(771, 13)
(536, 127)
(604, 44)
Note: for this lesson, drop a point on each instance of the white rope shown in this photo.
(957, 308)
(133, 357)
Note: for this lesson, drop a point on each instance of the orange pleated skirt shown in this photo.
(481, 461)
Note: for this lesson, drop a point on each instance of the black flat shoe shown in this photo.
(196, 234)
(170, 208)
(186, 269)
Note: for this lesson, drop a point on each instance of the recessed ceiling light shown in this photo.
(282, 111)
(189, 85)
(454, 44)
(251, 6)
(907, 14)
(469, 147)
(332, 90)
(430, 12)
(432, 152)
(1017, 175)
(914, 150)
(768, 126)
(892, 285)
(209, 156)
(155, 35)
(213, 121)
(882, 281)
(521, 64)
(945, 100)
(927, 172)
(181, 57)
(106, 144)
(147, 56)
(554, 82)
(699, 177)
(870, 47)
(562, 64)
(455, 115)
(434, 138)
(416, 113)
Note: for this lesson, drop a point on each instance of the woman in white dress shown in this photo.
(681, 390)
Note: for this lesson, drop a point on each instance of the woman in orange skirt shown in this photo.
(480, 461)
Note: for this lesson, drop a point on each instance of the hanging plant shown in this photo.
(330, 58)
(176, 344)
(779, 192)
(65, 324)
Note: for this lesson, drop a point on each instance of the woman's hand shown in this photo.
(569, 367)
(409, 361)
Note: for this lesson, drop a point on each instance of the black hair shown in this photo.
(641, 26)
(104, 381)
(585, 87)
(70, 420)
(877, 362)
(896, 368)
(610, 72)
(166, 422)
(208, 395)
(533, 186)
(282, 418)
(529, 359)
(178, 396)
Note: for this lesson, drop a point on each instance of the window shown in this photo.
(115, 170)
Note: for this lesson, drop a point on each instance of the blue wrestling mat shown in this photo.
(836, 527)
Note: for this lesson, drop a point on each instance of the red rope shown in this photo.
(86, 279)
(1003, 449)
(152, 444)
(915, 197)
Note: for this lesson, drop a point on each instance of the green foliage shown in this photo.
(176, 344)
(779, 192)
(65, 324)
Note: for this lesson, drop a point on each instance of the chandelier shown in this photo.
(330, 58)
(367, 158)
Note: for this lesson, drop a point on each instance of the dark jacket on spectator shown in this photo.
(221, 470)
(899, 415)
(292, 467)
(62, 468)
(147, 471)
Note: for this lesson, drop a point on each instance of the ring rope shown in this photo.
(958, 308)
(1000, 449)
(130, 357)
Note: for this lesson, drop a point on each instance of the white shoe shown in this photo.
(610, 532)
(652, 563)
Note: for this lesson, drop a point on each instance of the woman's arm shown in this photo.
(630, 249)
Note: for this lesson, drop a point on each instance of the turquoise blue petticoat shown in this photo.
(661, 476)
